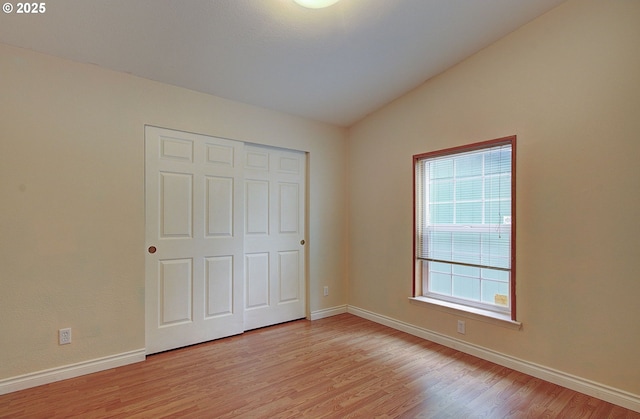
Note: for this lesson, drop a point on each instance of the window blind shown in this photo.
(464, 208)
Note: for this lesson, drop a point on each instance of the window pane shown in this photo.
(469, 189)
(497, 187)
(496, 249)
(491, 289)
(495, 211)
(441, 168)
(466, 247)
(469, 165)
(498, 161)
(439, 246)
(441, 213)
(495, 275)
(464, 287)
(440, 283)
(440, 267)
(466, 271)
(469, 213)
(466, 242)
(441, 191)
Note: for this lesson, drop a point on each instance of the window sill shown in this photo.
(486, 316)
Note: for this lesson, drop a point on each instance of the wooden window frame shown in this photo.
(417, 275)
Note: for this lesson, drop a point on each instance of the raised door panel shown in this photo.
(219, 206)
(176, 149)
(257, 284)
(289, 210)
(219, 292)
(176, 204)
(175, 297)
(220, 154)
(257, 207)
(289, 274)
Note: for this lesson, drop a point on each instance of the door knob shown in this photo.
(152, 249)
(302, 242)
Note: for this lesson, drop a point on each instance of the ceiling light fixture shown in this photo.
(316, 4)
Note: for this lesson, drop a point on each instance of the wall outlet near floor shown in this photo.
(326, 291)
(64, 336)
(461, 327)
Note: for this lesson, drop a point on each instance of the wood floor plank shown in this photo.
(339, 367)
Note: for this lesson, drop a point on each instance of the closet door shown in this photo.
(194, 267)
(274, 245)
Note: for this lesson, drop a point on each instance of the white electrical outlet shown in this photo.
(461, 327)
(326, 291)
(64, 336)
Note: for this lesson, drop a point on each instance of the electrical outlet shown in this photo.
(461, 327)
(326, 291)
(64, 336)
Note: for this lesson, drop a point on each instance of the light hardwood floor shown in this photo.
(339, 367)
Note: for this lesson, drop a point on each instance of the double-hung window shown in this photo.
(464, 216)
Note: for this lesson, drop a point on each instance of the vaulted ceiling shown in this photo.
(334, 65)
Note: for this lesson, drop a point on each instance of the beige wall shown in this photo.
(568, 85)
(72, 193)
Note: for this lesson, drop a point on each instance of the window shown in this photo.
(464, 216)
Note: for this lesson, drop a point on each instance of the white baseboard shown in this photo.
(328, 312)
(22, 382)
(588, 387)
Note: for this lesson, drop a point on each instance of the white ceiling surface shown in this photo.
(334, 65)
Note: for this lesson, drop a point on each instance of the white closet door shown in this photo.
(274, 247)
(194, 238)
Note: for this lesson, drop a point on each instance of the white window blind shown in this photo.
(463, 212)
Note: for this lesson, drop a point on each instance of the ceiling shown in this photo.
(334, 65)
